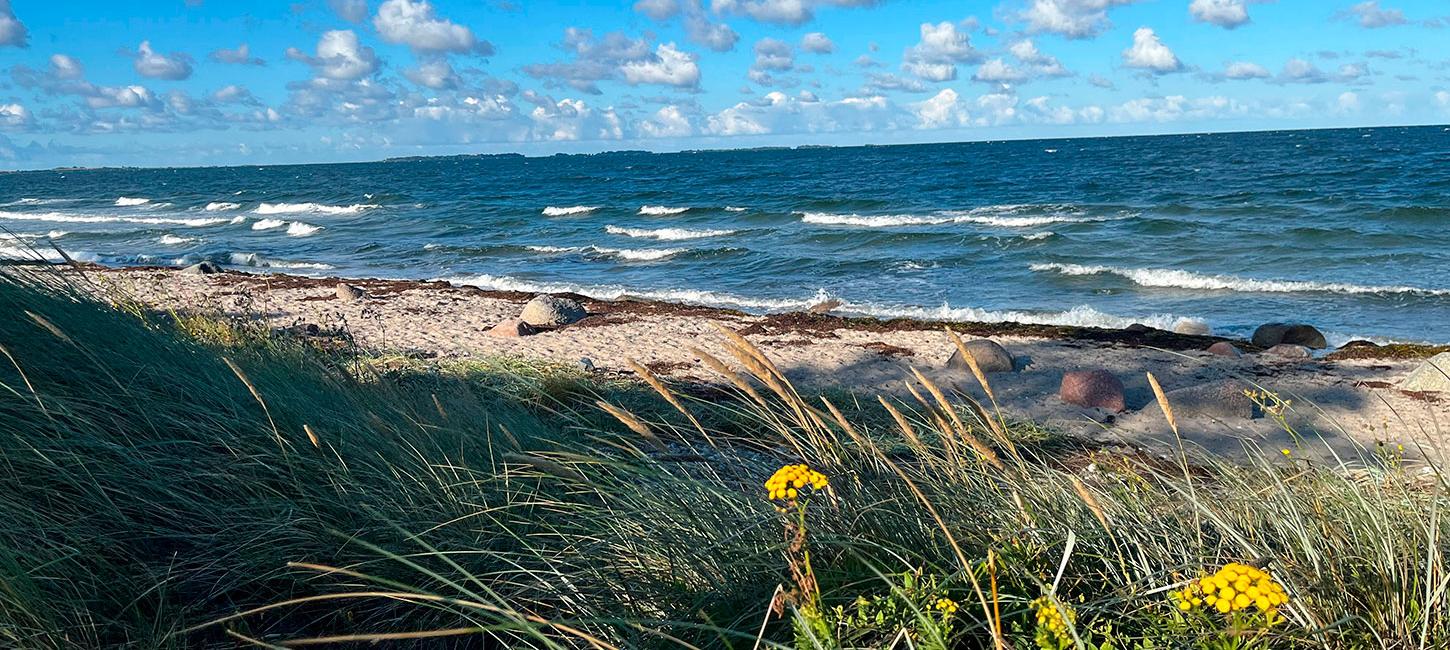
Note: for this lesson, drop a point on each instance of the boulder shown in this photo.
(1092, 389)
(1137, 328)
(1433, 374)
(1269, 335)
(1225, 349)
(1289, 351)
(1220, 400)
(552, 311)
(824, 307)
(990, 357)
(511, 328)
(586, 364)
(202, 268)
(1192, 327)
(349, 293)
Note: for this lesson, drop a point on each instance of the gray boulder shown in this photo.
(1093, 389)
(1289, 351)
(1225, 349)
(989, 355)
(349, 293)
(552, 311)
(1192, 327)
(1220, 400)
(824, 307)
(1433, 374)
(1269, 335)
(202, 268)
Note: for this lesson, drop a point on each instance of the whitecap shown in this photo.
(314, 208)
(268, 224)
(1181, 279)
(255, 260)
(612, 292)
(1036, 236)
(731, 208)
(173, 240)
(1004, 216)
(552, 211)
(660, 210)
(128, 201)
(299, 229)
(631, 254)
(221, 206)
(63, 217)
(666, 234)
(1079, 316)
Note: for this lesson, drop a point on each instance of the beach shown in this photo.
(1338, 400)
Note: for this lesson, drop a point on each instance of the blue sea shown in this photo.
(1345, 229)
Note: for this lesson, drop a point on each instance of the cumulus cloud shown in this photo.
(1301, 71)
(1149, 53)
(12, 31)
(698, 26)
(1370, 15)
(998, 71)
(150, 63)
(1245, 70)
(66, 67)
(817, 43)
(782, 12)
(1227, 14)
(773, 54)
(340, 56)
(1036, 62)
(234, 94)
(415, 23)
(942, 46)
(1070, 18)
(353, 11)
(778, 112)
(242, 55)
(668, 67)
(15, 117)
(667, 122)
(434, 73)
(619, 57)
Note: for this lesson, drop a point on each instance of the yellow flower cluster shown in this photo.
(1234, 588)
(1054, 619)
(946, 606)
(788, 481)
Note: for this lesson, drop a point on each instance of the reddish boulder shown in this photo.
(512, 328)
(1225, 349)
(1092, 389)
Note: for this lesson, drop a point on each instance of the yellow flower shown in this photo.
(1235, 587)
(1053, 619)
(946, 606)
(787, 482)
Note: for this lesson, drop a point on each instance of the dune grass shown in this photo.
(181, 482)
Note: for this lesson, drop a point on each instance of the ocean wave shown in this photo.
(660, 210)
(731, 208)
(63, 217)
(31, 254)
(614, 292)
(268, 224)
(666, 234)
(313, 208)
(1180, 279)
(294, 228)
(1004, 216)
(258, 261)
(1079, 316)
(173, 240)
(35, 201)
(553, 211)
(631, 254)
(1036, 236)
(126, 201)
(222, 206)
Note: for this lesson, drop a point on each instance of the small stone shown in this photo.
(1137, 328)
(1093, 389)
(1192, 327)
(349, 293)
(202, 268)
(989, 355)
(1225, 349)
(552, 311)
(586, 364)
(1220, 400)
(511, 328)
(1289, 351)
(824, 307)
(1269, 335)
(1432, 375)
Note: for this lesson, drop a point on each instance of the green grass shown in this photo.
(153, 495)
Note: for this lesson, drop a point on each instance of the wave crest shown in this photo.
(1181, 279)
(666, 234)
(62, 217)
(631, 254)
(221, 206)
(660, 210)
(553, 211)
(126, 201)
(313, 208)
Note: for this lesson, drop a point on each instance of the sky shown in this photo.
(219, 82)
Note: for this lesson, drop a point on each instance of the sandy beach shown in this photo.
(1337, 401)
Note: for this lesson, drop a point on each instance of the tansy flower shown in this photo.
(1053, 620)
(1235, 587)
(788, 482)
(946, 606)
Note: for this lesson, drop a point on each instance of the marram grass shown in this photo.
(188, 482)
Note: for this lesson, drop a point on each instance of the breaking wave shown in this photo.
(126, 201)
(666, 234)
(660, 210)
(312, 208)
(258, 261)
(1180, 279)
(631, 254)
(1004, 216)
(222, 206)
(552, 211)
(62, 217)
(294, 228)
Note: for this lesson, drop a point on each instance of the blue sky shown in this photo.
(203, 82)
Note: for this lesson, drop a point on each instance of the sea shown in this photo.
(1345, 229)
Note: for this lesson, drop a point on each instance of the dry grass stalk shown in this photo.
(312, 436)
(669, 396)
(971, 363)
(439, 405)
(236, 370)
(25, 379)
(49, 326)
(629, 420)
(906, 428)
(985, 452)
(1163, 402)
(734, 377)
(1091, 501)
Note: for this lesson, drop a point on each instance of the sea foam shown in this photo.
(255, 260)
(222, 206)
(666, 234)
(128, 201)
(660, 210)
(294, 228)
(1181, 279)
(313, 208)
(63, 217)
(553, 211)
(631, 254)
(1004, 216)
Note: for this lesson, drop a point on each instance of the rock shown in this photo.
(989, 355)
(552, 311)
(586, 364)
(1221, 400)
(511, 328)
(1138, 328)
(1289, 351)
(1433, 374)
(349, 293)
(1269, 335)
(824, 307)
(1192, 327)
(1225, 349)
(1092, 389)
(202, 268)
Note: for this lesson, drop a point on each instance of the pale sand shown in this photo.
(1343, 401)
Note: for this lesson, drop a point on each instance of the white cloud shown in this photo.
(667, 122)
(1245, 70)
(353, 11)
(1300, 71)
(1070, 18)
(340, 56)
(783, 12)
(415, 23)
(1348, 102)
(716, 36)
(817, 43)
(153, 64)
(573, 119)
(1442, 99)
(658, 9)
(669, 67)
(1227, 14)
(241, 56)
(1149, 53)
(434, 73)
(943, 110)
(773, 54)
(777, 112)
(63, 66)
(14, 116)
(12, 31)
(998, 71)
(942, 46)
(1038, 63)
(1369, 14)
